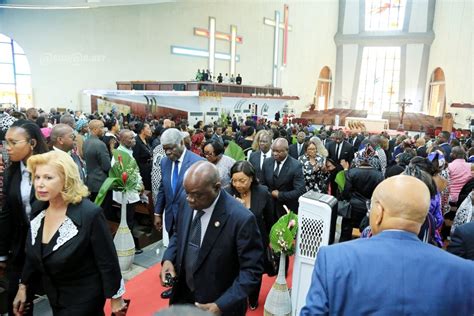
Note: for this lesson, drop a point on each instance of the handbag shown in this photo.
(344, 209)
(271, 261)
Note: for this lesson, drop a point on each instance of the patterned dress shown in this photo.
(158, 153)
(315, 180)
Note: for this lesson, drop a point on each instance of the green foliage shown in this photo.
(234, 151)
(283, 234)
(124, 163)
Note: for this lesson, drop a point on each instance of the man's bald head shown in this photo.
(96, 127)
(127, 138)
(280, 149)
(63, 137)
(408, 213)
(202, 184)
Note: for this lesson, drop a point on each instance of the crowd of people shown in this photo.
(203, 180)
(206, 75)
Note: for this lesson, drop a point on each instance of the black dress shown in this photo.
(143, 154)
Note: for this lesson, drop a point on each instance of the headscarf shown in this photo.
(196, 142)
(367, 157)
(80, 124)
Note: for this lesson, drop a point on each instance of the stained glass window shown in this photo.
(379, 79)
(384, 15)
(15, 74)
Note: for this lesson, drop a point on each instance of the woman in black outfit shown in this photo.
(360, 184)
(143, 153)
(254, 196)
(69, 243)
(23, 140)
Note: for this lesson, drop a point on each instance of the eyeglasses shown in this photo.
(208, 154)
(13, 143)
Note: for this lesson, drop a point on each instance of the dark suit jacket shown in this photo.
(356, 141)
(97, 160)
(290, 184)
(347, 152)
(230, 261)
(167, 200)
(462, 241)
(14, 222)
(261, 205)
(143, 154)
(80, 262)
(293, 151)
(421, 151)
(254, 159)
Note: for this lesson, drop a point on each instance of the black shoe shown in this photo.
(253, 306)
(166, 294)
(138, 251)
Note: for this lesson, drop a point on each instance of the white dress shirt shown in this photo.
(206, 218)
(268, 154)
(180, 163)
(25, 189)
(281, 165)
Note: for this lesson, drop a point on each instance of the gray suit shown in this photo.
(97, 160)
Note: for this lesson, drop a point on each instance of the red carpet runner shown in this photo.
(144, 290)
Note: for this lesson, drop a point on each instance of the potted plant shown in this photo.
(282, 241)
(124, 177)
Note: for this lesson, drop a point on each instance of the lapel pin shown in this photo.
(217, 224)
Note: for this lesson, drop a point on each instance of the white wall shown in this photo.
(91, 49)
(452, 49)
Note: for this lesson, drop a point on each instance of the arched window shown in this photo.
(323, 89)
(15, 74)
(437, 93)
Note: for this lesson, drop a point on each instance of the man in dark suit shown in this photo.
(296, 150)
(258, 157)
(97, 158)
(462, 241)
(390, 269)
(325, 139)
(173, 167)
(283, 175)
(443, 142)
(63, 138)
(216, 253)
(355, 140)
(340, 149)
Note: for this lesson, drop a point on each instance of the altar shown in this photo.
(366, 124)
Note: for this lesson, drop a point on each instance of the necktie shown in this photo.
(174, 178)
(192, 250)
(276, 173)
(337, 151)
(261, 162)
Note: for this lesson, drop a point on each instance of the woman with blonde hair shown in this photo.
(256, 141)
(69, 243)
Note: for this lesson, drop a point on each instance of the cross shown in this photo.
(402, 106)
(276, 42)
(211, 53)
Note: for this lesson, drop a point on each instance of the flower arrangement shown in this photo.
(124, 176)
(283, 233)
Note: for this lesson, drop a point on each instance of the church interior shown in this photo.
(398, 67)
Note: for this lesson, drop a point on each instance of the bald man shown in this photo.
(97, 158)
(63, 138)
(215, 252)
(283, 175)
(392, 273)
